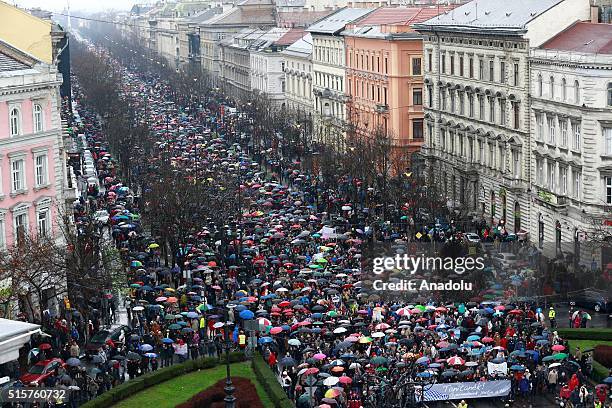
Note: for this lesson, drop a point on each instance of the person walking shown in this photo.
(551, 316)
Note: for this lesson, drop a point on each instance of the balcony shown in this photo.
(514, 184)
(550, 199)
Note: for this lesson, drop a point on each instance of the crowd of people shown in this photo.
(293, 264)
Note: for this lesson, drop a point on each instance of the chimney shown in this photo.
(594, 14)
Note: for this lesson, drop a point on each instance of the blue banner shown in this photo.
(466, 390)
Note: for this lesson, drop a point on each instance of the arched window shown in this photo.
(38, 117)
(551, 88)
(576, 92)
(564, 89)
(15, 122)
(539, 85)
(609, 93)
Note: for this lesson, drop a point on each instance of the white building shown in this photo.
(298, 76)
(329, 74)
(571, 147)
(477, 140)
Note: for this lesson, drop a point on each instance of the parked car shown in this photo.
(504, 260)
(101, 337)
(591, 299)
(40, 371)
(471, 238)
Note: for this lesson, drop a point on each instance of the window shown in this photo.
(2, 236)
(540, 126)
(551, 176)
(516, 115)
(443, 98)
(461, 103)
(43, 221)
(563, 131)
(564, 89)
(461, 147)
(42, 178)
(576, 133)
(577, 183)
(443, 63)
(502, 112)
(471, 105)
(491, 155)
(471, 67)
(443, 139)
(491, 70)
(452, 65)
(15, 122)
(563, 180)
(516, 74)
(20, 227)
(551, 88)
(417, 129)
(416, 66)
(551, 130)
(610, 94)
(492, 109)
(576, 92)
(430, 61)
(18, 175)
(607, 134)
(481, 107)
(540, 171)
(480, 152)
(607, 197)
(481, 70)
(430, 96)
(460, 66)
(38, 117)
(516, 163)
(502, 72)
(540, 85)
(452, 98)
(417, 96)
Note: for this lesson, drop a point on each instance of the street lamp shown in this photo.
(230, 399)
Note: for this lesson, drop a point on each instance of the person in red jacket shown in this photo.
(574, 382)
(272, 359)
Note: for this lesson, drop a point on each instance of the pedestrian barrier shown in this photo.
(135, 385)
(269, 381)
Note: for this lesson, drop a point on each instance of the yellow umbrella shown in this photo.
(153, 246)
(331, 393)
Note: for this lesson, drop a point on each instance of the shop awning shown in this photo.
(13, 335)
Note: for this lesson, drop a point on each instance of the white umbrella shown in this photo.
(138, 308)
(331, 381)
(340, 330)
(378, 335)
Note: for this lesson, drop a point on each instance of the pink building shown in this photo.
(31, 148)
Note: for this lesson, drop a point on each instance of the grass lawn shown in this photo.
(586, 344)
(173, 392)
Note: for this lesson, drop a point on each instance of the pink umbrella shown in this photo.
(276, 330)
(381, 326)
(319, 356)
(443, 344)
(264, 322)
(487, 339)
(558, 347)
(161, 299)
(311, 371)
(500, 307)
(345, 380)
(402, 312)
(455, 360)
(352, 339)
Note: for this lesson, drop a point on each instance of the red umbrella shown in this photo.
(284, 303)
(345, 380)
(487, 339)
(45, 346)
(311, 371)
(276, 330)
(515, 312)
(455, 360)
(558, 347)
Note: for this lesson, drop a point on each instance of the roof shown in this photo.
(302, 47)
(291, 3)
(401, 15)
(269, 38)
(290, 37)
(490, 14)
(243, 14)
(205, 15)
(584, 37)
(335, 22)
(8, 63)
(302, 18)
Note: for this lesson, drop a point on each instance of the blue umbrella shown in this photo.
(498, 360)
(608, 381)
(265, 340)
(150, 355)
(435, 365)
(424, 374)
(473, 338)
(541, 342)
(167, 340)
(240, 308)
(192, 315)
(517, 367)
(146, 347)
(423, 360)
(246, 314)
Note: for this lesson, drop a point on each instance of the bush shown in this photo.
(603, 355)
(213, 397)
(599, 372)
(135, 385)
(585, 334)
(268, 380)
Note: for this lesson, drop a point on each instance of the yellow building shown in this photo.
(30, 34)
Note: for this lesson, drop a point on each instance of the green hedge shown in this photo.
(599, 372)
(585, 334)
(270, 383)
(131, 387)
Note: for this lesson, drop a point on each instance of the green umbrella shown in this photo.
(332, 313)
(379, 360)
(134, 285)
(560, 356)
(420, 307)
(175, 326)
(316, 235)
(315, 266)
(548, 358)
(321, 260)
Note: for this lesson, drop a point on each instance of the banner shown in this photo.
(466, 390)
(497, 368)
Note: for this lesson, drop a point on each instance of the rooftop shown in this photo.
(583, 37)
(492, 14)
(290, 37)
(302, 18)
(8, 63)
(401, 15)
(336, 22)
(301, 47)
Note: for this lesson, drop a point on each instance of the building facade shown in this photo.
(329, 75)
(571, 117)
(384, 60)
(32, 166)
(476, 95)
(298, 77)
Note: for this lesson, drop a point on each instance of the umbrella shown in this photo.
(456, 360)
(246, 314)
(287, 362)
(73, 362)
(146, 347)
(167, 340)
(150, 355)
(133, 356)
(331, 381)
(45, 346)
(332, 393)
(345, 380)
(294, 342)
(319, 356)
(558, 347)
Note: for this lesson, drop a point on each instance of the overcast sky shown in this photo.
(76, 5)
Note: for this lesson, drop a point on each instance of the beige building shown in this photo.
(476, 99)
(298, 76)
